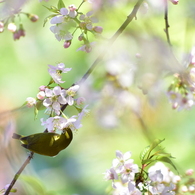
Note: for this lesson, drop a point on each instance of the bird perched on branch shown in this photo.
(48, 144)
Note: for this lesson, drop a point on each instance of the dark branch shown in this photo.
(167, 23)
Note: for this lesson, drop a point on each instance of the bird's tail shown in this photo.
(16, 136)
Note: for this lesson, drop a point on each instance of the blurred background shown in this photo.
(126, 94)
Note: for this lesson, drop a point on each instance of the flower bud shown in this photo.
(41, 95)
(189, 172)
(82, 25)
(33, 17)
(42, 88)
(175, 2)
(30, 102)
(67, 44)
(80, 38)
(98, 29)
(1, 27)
(11, 27)
(80, 101)
(72, 7)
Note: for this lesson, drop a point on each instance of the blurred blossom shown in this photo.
(11, 27)
(175, 2)
(192, 55)
(107, 118)
(110, 174)
(80, 101)
(86, 47)
(19, 33)
(191, 189)
(42, 88)
(180, 102)
(189, 172)
(41, 95)
(168, 176)
(144, 8)
(57, 123)
(30, 102)
(77, 124)
(56, 71)
(71, 92)
(33, 17)
(184, 189)
(1, 27)
(133, 190)
(98, 29)
(67, 44)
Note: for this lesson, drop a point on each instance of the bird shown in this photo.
(48, 144)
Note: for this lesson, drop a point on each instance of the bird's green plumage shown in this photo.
(48, 144)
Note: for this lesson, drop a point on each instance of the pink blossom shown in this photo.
(30, 102)
(56, 71)
(1, 27)
(67, 44)
(98, 29)
(11, 27)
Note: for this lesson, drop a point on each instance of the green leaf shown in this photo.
(52, 9)
(144, 153)
(60, 4)
(167, 160)
(148, 161)
(36, 111)
(155, 143)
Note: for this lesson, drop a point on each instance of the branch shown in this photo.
(167, 23)
(148, 134)
(86, 75)
(114, 37)
(18, 173)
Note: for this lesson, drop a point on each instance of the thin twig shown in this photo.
(85, 76)
(18, 173)
(114, 37)
(167, 23)
(144, 127)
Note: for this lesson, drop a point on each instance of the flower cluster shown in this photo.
(16, 27)
(181, 92)
(125, 177)
(124, 170)
(66, 20)
(54, 98)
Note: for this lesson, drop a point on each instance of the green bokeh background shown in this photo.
(78, 169)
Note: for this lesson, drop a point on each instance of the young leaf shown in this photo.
(52, 9)
(167, 160)
(36, 111)
(148, 161)
(39, 105)
(61, 4)
(155, 143)
(144, 152)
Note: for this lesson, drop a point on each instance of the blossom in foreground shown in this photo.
(86, 47)
(77, 124)
(71, 92)
(57, 123)
(30, 102)
(56, 71)
(55, 98)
